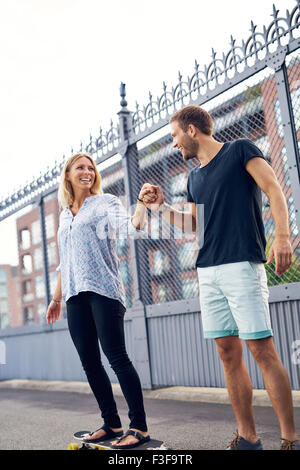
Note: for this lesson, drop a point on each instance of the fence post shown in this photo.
(290, 136)
(132, 182)
(44, 251)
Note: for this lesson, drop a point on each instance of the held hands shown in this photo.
(282, 251)
(152, 196)
(53, 312)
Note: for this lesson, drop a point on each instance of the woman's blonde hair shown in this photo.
(65, 190)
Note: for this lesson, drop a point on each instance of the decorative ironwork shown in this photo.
(221, 70)
(236, 65)
(106, 142)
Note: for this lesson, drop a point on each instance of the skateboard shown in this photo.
(153, 444)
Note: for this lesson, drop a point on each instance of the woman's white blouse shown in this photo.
(87, 246)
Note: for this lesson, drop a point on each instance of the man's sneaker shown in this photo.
(289, 445)
(239, 443)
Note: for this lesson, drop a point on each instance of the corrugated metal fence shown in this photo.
(178, 353)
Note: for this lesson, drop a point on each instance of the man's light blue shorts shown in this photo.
(234, 300)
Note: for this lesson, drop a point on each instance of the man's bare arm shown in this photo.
(266, 179)
(186, 221)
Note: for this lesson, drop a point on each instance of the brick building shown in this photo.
(10, 303)
(30, 269)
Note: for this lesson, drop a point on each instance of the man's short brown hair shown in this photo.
(194, 115)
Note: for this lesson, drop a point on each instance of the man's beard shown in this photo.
(188, 156)
(191, 152)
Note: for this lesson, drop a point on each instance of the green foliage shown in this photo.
(252, 93)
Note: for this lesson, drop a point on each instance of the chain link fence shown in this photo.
(248, 110)
(171, 253)
(165, 260)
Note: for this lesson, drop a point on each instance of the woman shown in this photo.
(89, 282)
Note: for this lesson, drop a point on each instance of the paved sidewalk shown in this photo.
(189, 394)
(43, 419)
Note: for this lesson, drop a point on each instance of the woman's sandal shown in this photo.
(110, 434)
(141, 440)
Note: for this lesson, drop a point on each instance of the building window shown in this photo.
(41, 311)
(39, 287)
(187, 255)
(26, 264)
(3, 275)
(164, 293)
(128, 294)
(3, 290)
(24, 239)
(26, 286)
(52, 254)
(190, 288)
(293, 221)
(38, 259)
(269, 227)
(28, 295)
(124, 271)
(154, 226)
(161, 263)
(178, 187)
(36, 232)
(52, 282)
(4, 306)
(121, 246)
(28, 315)
(50, 229)
(4, 320)
(263, 144)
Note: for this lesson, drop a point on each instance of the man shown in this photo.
(232, 277)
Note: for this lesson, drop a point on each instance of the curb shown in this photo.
(194, 394)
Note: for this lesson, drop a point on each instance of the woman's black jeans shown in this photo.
(92, 316)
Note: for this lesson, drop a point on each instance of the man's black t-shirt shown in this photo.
(232, 203)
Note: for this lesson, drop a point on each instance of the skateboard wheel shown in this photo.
(73, 446)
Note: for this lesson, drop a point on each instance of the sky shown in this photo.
(62, 62)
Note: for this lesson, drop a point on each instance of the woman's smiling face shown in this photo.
(81, 174)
